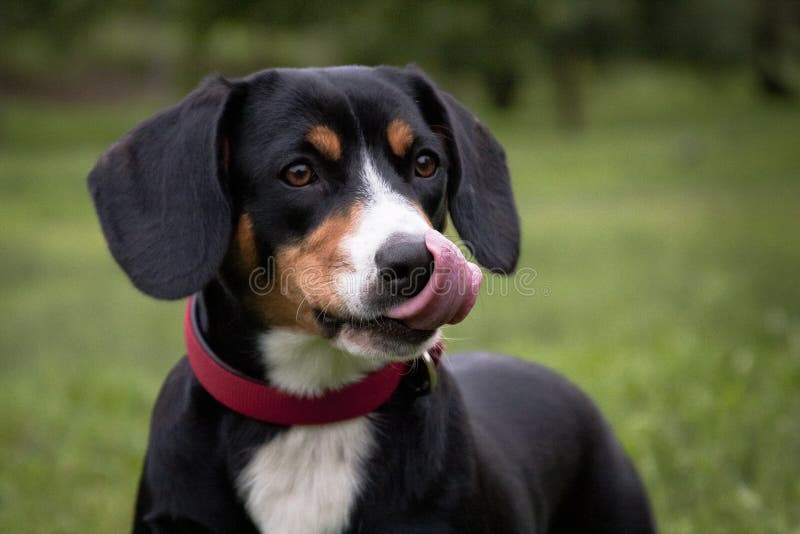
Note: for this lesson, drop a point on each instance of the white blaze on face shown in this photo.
(307, 364)
(385, 213)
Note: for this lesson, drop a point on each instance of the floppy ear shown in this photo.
(479, 189)
(158, 192)
(479, 185)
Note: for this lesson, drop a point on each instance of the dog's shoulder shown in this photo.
(538, 432)
(189, 424)
(194, 445)
(184, 410)
(498, 379)
(526, 404)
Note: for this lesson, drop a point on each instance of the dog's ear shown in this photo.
(479, 192)
(161, 197)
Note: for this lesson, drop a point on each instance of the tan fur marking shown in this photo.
(325, 141)
(244, 244)
(305, 274)
(400, 136)
(422, 212)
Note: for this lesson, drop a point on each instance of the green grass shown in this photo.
(666, 250)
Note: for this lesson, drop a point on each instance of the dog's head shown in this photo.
(312, 196)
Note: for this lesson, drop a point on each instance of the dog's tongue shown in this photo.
(449, 294)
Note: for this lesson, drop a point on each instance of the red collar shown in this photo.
(258, 400)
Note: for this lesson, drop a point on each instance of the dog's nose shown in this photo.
(404, 264)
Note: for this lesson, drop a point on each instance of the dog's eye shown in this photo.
(425, 165)
(298, 174)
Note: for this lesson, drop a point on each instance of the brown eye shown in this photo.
(426, 165)
(298, 174)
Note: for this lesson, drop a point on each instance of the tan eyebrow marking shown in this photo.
(325, 141)
(400, 136)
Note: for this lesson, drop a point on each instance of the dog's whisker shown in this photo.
(299, 306)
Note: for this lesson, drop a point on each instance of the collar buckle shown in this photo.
(424, 377)
(430, 365)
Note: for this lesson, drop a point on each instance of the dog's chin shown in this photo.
(366, 344)
(380, 338)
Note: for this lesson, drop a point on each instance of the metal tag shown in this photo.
(431, 366)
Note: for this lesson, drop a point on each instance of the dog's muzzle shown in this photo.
(451, 289)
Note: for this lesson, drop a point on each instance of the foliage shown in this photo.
(504, 43)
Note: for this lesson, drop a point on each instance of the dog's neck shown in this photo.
(228, 331)
(298, 363)
(307, 365)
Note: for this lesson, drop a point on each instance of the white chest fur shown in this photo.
(307, 479)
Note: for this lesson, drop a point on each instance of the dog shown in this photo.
(301, 211)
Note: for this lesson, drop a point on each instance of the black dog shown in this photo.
(300, 207)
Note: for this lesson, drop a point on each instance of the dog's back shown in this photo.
(537, 432)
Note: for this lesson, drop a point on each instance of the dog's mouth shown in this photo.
(406, 327)
(382, 326)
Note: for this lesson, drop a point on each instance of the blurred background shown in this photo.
(655, 152)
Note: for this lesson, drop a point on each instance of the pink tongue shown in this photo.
(449, 294)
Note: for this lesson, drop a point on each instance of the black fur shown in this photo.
(502, 446)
